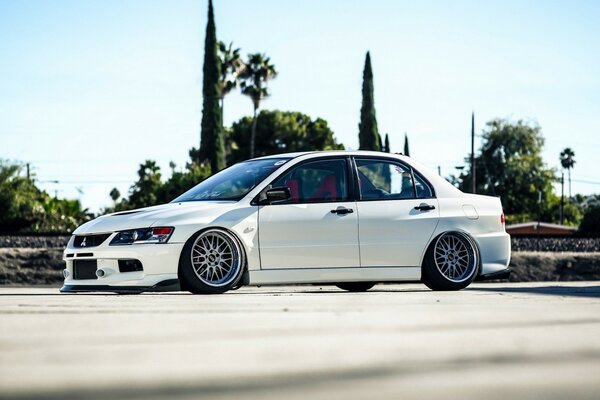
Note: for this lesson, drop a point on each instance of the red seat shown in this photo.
(294, 186)
(327, 190)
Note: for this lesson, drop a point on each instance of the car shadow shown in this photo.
(570, 291)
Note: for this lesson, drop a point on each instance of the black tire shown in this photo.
(355, 286)
(205, 270)
(451, 262)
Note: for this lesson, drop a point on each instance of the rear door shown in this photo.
(318, 226)
(397, 212)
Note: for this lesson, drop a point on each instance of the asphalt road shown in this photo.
(491, 341)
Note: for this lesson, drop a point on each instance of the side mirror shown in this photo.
(275, 195)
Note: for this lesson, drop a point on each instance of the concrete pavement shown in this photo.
(493, 341)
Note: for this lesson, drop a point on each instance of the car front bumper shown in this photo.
(159, 268)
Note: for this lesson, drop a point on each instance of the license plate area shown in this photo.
(85, 269)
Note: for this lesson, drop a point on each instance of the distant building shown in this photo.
(540, 228)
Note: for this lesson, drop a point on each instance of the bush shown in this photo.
(24, 207)
(590, 224)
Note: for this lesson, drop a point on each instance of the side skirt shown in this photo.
(333, 275)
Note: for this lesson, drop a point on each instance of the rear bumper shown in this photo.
(494, 249)
(504, 274)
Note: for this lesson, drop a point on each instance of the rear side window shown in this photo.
(389, 180)
(423, 189)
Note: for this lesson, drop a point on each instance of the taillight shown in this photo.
(502, 218)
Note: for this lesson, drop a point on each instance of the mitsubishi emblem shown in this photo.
(83, 242)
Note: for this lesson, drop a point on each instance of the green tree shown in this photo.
(510, 166)
(182, 181)
(280, 132)
(20, 199)
(60, 215)
(211, 135)
(567, 161)
(144, 192)
(572, 212)
(406, 149)
(257, 72)
(115, 194)
(150, 190)
(368, 135)
(24, 207)
(590, 224)
(231, 67)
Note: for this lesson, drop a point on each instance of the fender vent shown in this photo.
(130, 266)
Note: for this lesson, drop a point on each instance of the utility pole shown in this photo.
(562, 195)
(28, 176)
(439, 170)
(539, 220)
(473, 172)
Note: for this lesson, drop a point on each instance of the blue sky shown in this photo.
(90, 89)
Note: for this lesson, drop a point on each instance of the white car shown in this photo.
(351, 219)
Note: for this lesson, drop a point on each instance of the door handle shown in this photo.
(342, 211)
(424, 207)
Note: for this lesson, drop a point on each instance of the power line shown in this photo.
(586, 181)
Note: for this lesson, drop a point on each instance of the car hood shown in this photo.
(150, 216)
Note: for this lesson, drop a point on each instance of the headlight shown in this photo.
(145, 235)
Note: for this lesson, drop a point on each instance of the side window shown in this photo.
(316, 182)
(386, 180)
(423, 189)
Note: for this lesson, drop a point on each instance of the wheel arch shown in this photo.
(239, 242)
(462, 232)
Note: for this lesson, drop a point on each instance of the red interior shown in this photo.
(327, 189)
(294, 186)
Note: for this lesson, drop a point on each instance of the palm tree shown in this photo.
(257, 71)
(231, 67)
(567, 161)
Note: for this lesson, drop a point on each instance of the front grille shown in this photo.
(85, 269)
(85, 241)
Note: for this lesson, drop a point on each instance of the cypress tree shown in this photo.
(406, 152)
(368, 136)
(386, 147)
(211, 135)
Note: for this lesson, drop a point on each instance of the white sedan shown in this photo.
(351, 219)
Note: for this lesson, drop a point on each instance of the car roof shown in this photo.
(442, 187)
(326, 152)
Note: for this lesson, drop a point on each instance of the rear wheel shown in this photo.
(451, 262)
(212, 262)
(356, 286)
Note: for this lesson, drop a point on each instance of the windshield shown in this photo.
(234, 182)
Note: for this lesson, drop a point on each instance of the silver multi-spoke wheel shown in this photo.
(216, 258)
(455, 257)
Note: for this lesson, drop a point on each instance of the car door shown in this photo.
(397, 213)
(318, 226)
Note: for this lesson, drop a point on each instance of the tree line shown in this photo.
(508, 164)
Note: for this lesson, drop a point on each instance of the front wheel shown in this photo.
(212, 262)
(451, 262)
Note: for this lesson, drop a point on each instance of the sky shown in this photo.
(91, 89)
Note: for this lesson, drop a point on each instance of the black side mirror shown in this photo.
(275, 195)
